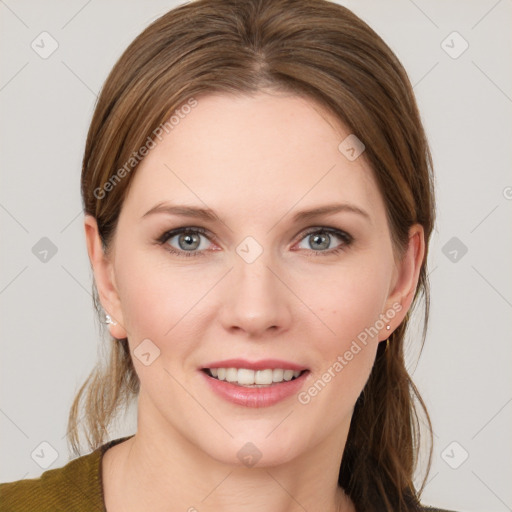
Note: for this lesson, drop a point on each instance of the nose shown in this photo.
(255, 299)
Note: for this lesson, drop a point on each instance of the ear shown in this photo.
(405, 281)
(104, 277)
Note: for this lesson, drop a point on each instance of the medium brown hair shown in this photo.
(312, 48)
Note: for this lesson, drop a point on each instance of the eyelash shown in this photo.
(345, 237)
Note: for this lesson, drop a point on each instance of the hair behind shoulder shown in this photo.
(313, 48)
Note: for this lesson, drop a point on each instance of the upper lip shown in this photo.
(262, 364)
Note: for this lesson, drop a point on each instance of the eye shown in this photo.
(193, 241)
(320, 240)
(185, 241)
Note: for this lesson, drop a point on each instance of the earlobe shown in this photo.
(407, 273)
(104, 278)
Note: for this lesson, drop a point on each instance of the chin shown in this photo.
(252, 447)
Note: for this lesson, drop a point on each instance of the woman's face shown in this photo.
(256, 279)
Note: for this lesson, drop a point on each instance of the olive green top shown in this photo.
(75, 487)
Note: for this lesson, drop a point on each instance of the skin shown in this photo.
(255, 161)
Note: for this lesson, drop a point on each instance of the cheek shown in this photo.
(349, 303)
(348, 299)
(158, 299)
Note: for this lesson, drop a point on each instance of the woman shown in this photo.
(258, 199)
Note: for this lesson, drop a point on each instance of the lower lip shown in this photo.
(255, 397)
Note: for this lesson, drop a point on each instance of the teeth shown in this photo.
(277, 375)
(231, 374)
(288, 375)
(253, 378)
(246, 377)
(263, 377)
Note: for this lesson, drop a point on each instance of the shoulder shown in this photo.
(75, 486)
(425, 508)
(55, 489)
(63, 488)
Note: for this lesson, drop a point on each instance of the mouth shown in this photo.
(249, 378)
(260, 383)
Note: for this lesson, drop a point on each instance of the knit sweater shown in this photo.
(75, 487)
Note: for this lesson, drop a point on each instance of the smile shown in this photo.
(253, 378)
(254, 388)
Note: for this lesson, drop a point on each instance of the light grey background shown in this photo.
(49, 336)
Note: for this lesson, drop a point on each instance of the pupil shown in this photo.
(189, 241)
(318, 239)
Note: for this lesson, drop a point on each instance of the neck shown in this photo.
(161, 470)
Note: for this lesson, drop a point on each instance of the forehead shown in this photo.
(244, 154)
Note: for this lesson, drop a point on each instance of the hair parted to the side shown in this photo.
(312, 48)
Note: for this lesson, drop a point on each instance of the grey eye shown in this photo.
(189, 241)
(319, 241)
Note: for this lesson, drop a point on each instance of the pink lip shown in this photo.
(255, 397)
(263, 364)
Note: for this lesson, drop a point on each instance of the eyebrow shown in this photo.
(330, 209)
(207, 214)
